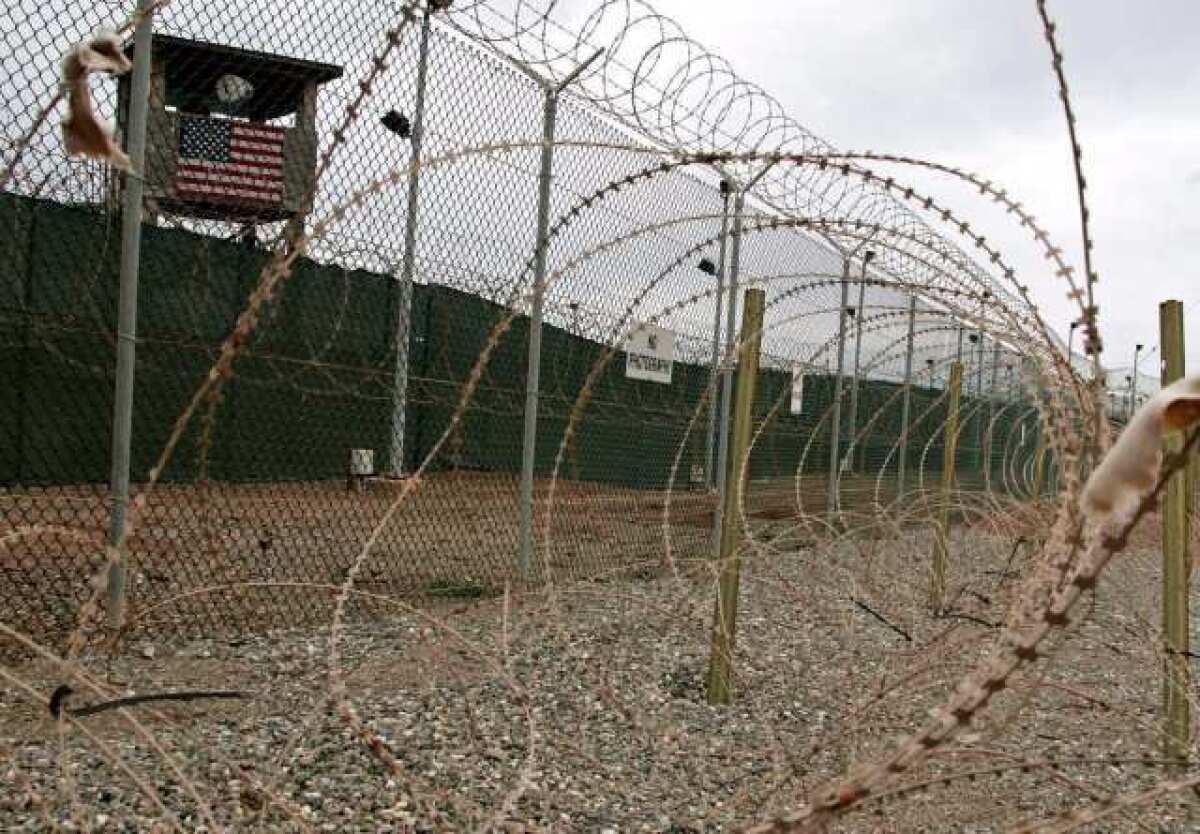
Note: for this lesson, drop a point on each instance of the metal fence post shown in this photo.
(735, 264)
(735, 257)
(979, 401)
(405, 284)
(979, 365)
(532, 377)
(906, 404)
(858, 327)
(710, 476)
(1175, 538)
(131, 243)
(719, 687)
(551, 93)
(991, 412)
(835, 419)
(1133, 383)
(941, 544)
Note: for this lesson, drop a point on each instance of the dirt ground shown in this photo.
(583, 710)
(197, 551)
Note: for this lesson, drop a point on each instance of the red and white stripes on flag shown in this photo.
(226, 161)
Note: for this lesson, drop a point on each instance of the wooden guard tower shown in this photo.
(219, 141)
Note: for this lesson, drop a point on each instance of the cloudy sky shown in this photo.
(968, 82)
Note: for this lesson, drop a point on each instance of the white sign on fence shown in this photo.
(797, 389)
(650, 354)
(362, 461)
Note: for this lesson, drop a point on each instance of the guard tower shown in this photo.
(231, 134)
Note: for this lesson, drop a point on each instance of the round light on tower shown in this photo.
(233, 89)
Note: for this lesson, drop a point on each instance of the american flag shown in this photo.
(229, 161)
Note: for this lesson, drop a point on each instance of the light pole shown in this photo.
(740, 190)
(835, 433)
(1071, 341)
(551, 92)
(1133, 379)
(851, 313)
(973, 338)
(977, 340)
(868, 256)
(712, 270)
(906, 408)
(835, 424)
(131, 248)
(414, 132)
(984, 298)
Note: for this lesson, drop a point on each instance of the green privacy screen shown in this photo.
(317, 379)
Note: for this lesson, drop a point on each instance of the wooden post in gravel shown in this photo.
(719, 688)
(941, 533)
(1193, 497)
(1039, 471)
(1175, 536)
(1039, 463)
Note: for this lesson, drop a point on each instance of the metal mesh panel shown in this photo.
(427, 332)
(256, 487)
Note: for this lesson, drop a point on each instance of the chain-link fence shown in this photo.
(444, 381)
(353, 376)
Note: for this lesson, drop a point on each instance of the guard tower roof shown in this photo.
(192, 68)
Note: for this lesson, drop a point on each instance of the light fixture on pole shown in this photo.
(396, 122)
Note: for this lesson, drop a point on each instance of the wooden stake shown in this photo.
(719, 688)
(941, 544)
(1193, 499)
(1039, 464)
(1175, 534)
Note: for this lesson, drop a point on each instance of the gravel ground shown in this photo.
(583, 710)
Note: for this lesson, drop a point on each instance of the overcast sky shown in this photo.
(968, 82)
